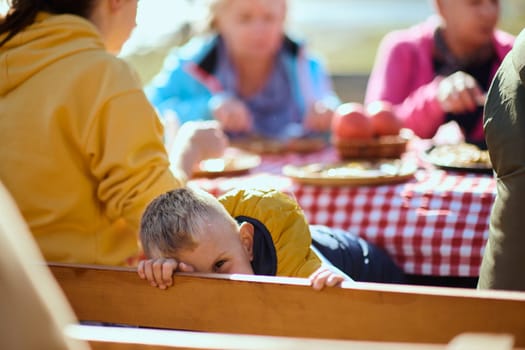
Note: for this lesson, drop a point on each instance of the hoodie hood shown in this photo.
(43, 43)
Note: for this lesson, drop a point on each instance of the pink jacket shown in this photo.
(403, 74)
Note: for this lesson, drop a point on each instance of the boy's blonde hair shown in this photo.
(171, 221)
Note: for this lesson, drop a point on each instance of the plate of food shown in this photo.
(461, 156)
(263, 145)
(351, 173)
(234, 162)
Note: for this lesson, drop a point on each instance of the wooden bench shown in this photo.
(111, 338)
(289, 307)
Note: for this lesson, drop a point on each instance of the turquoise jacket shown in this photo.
(186, 83)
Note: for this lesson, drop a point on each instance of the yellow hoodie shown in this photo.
(286, 224)
(81, 147)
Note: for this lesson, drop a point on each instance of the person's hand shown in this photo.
(233, 115)
(159, 272)
(319, 117)
(325, 277)
(194, 142)
(206, 138)
(459, 93)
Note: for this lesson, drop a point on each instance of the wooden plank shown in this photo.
(289, 307)
(111, 338)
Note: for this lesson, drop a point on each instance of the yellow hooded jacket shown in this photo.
(286, 224)
(81, 147)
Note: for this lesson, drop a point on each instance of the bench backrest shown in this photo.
(113, 338)
(289, 307)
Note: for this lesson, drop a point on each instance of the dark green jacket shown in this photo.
(503, 265)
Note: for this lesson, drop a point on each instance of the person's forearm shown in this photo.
(182, 160)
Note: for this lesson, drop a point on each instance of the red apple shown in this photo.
(351, 122)
(384, 120)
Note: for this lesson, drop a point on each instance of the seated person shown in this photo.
(249, 76)
(503, 265)
(83, 161)
(252, 232)
(438, 71)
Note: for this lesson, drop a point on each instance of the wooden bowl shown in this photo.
(391, 146)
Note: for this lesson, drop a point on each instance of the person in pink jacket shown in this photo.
(439, 70)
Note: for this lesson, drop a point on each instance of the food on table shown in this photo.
(262, 145)
(371, 132)
(351, 122)
(233, 162)
(364, 172)
(462, 155)
(384, 120)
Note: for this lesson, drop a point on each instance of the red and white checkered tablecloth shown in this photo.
(435, 224)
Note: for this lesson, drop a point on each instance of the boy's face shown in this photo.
(222, 247)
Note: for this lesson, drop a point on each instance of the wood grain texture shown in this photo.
(110, 338)
(289, 307)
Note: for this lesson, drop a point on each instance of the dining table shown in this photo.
(434, 223)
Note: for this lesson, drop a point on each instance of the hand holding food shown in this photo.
(459, 93)
(233, 115)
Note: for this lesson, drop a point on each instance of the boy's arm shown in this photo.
(326, 262)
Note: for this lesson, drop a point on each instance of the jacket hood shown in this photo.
(48, 39)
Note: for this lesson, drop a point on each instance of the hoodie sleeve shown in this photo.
(286, 223)
(392, 79)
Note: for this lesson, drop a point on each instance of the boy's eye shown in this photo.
(218, 265)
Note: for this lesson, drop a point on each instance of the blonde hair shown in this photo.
(172, 220)
(214, 8)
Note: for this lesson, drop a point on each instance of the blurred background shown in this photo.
(344, 33)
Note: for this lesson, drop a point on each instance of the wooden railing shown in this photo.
(289, 307)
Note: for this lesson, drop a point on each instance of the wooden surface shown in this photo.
(289, 307)
(112, 338)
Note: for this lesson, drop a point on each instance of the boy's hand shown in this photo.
(324, 277)
(159, 272)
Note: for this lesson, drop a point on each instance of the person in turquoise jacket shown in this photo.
(251, 231)
(248, 74)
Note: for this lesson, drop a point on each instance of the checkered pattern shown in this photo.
(435, 224)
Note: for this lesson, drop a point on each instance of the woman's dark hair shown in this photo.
(22, 13)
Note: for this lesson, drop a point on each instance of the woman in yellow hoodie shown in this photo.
(81, 148)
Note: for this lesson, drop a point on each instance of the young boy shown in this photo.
(262, 232)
